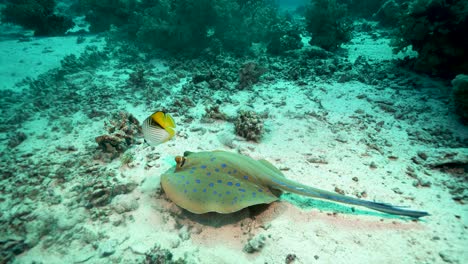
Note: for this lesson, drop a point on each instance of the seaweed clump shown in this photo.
(436, 29)
(249, 125)
(327, 21)
(460, 96)
(123, 128)
(37, 15)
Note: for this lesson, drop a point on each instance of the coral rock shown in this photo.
(460, 95)
(249, 125)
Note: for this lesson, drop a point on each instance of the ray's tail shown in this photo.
(294, 187)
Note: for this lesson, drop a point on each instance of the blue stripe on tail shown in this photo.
(382, 207)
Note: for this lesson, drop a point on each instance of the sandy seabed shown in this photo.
(393, 142)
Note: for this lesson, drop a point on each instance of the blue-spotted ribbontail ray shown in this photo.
(226, 182)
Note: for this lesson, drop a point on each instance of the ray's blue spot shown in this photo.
(220, 195)
(208, 174)
(187, 182)
(211, 184)
(194, 190)
(204, 190)
(229, 172)
(185, 191)
(197, 180)
(241, 190)
(220, 181)
(223, 165)
(217, 170)
(215, 192)
(260, 190)
(238, 184)
(229, 183)
(228, 192)
(182, 176)
(246, 177)
(234, 171)
(203, 166)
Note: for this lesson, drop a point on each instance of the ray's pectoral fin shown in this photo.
(203, 196)
(270, 166)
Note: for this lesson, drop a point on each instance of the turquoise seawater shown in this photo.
(240, 131)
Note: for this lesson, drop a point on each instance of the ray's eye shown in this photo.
(180, 161)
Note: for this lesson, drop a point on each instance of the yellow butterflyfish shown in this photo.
(158, 128)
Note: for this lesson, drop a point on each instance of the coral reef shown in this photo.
(182, 24)
(460, 96)
(362, 8)
(213, 113)
(16, 139)
(436, 29)
(137, 78)
(284, 37)
(90, 58)
(37, 15)
(185, 27)
(240, 23)
(160, 256)
(388, 13)
(123, 128)
(328, 23)
(101, 192)
(10, 247)
(249, 125)
(104, 13)
(249, 74)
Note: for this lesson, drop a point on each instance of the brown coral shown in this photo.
(123, 127)
(250, 74)
(249, 125)
(460, 95)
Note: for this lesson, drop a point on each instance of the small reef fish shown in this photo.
(226, 182)
(158, 128)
